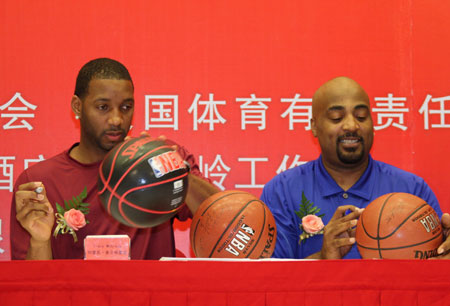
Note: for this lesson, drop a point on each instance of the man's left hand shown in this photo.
(444, 249)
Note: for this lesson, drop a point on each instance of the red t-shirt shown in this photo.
(63, 178)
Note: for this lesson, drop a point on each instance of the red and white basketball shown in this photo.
(142, 182)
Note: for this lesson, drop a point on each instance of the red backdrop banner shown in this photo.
(230, 80)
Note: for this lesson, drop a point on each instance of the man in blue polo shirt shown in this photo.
(341, 182)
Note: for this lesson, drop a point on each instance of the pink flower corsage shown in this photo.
(75, 219)
(71, 217)
(312, 223)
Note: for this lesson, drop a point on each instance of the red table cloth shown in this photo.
(230, 283)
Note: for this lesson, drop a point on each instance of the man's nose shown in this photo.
(115, 118)
(350, 123)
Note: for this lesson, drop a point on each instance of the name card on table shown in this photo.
(107, 247)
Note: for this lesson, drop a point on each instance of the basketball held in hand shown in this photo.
(233, 224)
(142, 182)
(398, 226)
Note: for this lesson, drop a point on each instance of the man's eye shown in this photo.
(361, 118)
(127, 107)
(102, 107)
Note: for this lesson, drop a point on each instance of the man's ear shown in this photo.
(313, 127)
(76, 105)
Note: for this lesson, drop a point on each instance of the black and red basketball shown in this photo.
(398, 226)
(142, 182)
(233, 224)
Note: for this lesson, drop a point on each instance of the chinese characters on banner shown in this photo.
(162, 112)
(7, 110)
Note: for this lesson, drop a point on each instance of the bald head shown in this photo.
(342, 123)
(335, 90)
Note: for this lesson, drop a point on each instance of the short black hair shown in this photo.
(100, 68)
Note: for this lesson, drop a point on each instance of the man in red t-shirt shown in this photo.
(104, 103)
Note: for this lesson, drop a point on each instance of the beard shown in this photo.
(91, 135)
(350, 156)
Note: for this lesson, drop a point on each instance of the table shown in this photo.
(225, 283)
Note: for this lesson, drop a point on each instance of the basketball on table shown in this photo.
(142, 182)
(233, 224)
(398, 226)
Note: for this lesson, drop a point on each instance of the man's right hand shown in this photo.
(34, 212)
(339, 233)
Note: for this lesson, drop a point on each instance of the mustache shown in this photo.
(122, 132)
(115, 130)
(352, 135)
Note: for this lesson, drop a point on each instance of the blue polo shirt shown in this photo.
(283, 196)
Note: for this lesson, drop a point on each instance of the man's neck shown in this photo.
(346, 177)
(86, 155)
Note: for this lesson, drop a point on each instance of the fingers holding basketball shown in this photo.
(443, 250)
(146, 134)
(142, 133)
(445, 221)
(163, 138)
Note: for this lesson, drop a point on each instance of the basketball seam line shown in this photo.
(106, 182)
(261, 232)
(398, 227)
(196, 225)
(231, 221)
(124, 200)
(224, 196)
(396, 248)
(113, 193)
(379, 221)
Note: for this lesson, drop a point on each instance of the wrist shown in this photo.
(188, 165)
(39, 250)
(39, 243)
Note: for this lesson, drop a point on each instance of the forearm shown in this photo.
(198, 191)
(39, 250)
(317, 255)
